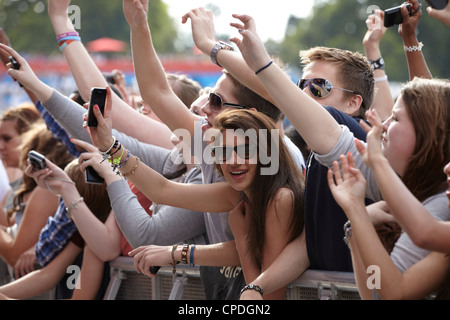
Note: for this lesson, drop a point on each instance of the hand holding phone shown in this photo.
(15, 65)
(98, 97)
(437, 4)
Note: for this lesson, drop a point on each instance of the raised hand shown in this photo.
(375, 29)
(203, 31)
(348, 188)
(136, 12)
(101, 136)
(372, 153)
(251, 46)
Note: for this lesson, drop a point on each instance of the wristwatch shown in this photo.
(217, 47)
(377, 64)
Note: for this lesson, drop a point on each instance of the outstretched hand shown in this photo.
(203, 31)
(136, 12)
(372, 153)
(101, 136)
(251, 46)
(348, 188)
(442, 15)
(24, 74)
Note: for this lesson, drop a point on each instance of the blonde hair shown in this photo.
(354, 69)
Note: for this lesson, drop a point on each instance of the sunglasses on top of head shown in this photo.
(319, 87)
(223, 153)
(216, 103)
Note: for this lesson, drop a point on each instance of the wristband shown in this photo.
(377, 64)
(347, 232)
(414, 48)
(67, 34)
(252, 287)
(184, 253)
(264, 68)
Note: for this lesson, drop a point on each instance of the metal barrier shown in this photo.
(323, 285)
(127, 284)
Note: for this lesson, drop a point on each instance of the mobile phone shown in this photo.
(37, 160)
(98, 97)
(437, 4)
(154, 269)
(15, 65)
(393, 16)
(91, 176)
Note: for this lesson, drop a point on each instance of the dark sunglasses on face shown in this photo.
(223, 153)
(319, 87)
(216, 103)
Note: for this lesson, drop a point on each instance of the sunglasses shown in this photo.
(319, 87)
(223, 153)
(216, 103)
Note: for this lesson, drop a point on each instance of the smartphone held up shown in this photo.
(98, 97)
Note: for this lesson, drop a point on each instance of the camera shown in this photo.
(98, 97)
(393, 16)
(37, 160)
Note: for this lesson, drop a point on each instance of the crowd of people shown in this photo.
(210, 177)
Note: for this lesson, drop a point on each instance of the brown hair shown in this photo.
(248, 98)
(428, 106)
(354, 69)
(24, 116)
(265, 187)
(40, 139)
(185, 88)
(94, 195)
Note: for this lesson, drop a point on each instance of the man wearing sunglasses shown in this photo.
(343, 82)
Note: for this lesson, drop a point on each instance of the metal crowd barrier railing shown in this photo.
(127, 284)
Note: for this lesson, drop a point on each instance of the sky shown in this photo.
(271, 16)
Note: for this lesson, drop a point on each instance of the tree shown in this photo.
(29, 29)
(341, 24)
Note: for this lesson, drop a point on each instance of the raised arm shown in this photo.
(87, 75)
(204, 36)
(418, 281)
(153, 85)
(417, 65)
(383, 101)
(442, 15)
(317, 127)
(424, 230)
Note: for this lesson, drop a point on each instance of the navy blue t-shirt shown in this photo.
(324, 218)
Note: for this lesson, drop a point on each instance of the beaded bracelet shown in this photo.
(184, 253)
(174, 263)
(252, 287)
(347, 232)
(133, 170)
(113, 145)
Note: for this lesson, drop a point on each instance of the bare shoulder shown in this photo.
(282, 203)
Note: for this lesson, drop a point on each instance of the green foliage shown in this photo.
(29, 29)
(341, 24)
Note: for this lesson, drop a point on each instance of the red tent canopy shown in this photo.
(106, 44)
